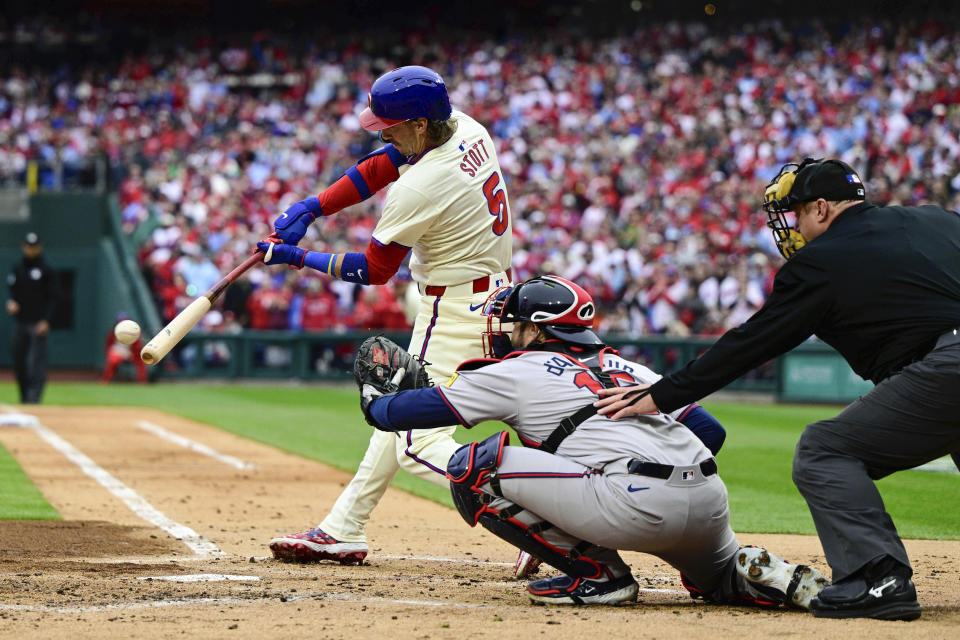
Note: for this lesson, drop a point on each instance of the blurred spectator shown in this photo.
(316, 308)
(379, 308)
(117, 353)
(269, 305)
(630, 159)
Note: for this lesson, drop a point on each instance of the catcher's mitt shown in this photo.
(383, 367)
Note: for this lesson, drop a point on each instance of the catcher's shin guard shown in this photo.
(571, 563)
(476, 464)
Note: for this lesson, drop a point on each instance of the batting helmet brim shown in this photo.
(372, 122)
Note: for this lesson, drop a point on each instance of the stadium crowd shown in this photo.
(635, 164)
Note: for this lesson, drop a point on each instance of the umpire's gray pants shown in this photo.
(909, 419)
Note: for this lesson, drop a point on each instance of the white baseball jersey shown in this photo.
(451, 207)
(534, 391)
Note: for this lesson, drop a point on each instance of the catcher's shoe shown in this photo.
(564, 589)
(526, 566)
(316, 545)
(778, 580)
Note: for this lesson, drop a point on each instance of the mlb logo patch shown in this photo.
(853, 178)
(688, 475)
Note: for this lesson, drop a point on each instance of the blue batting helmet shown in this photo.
(404, 94)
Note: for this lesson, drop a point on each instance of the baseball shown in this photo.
(127, 331)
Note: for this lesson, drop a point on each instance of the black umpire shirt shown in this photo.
(880, 285)
(33, 284)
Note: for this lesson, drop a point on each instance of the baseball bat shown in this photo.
(168, 337)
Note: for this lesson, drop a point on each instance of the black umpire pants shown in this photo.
(907, 420)
(29, 361)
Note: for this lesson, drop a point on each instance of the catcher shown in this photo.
(584, 486)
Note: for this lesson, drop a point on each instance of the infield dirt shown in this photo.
(106, 572)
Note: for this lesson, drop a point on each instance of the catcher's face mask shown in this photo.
(496, 341)
(777, 202)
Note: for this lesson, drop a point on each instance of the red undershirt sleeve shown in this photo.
(383, 261)
(370, 175)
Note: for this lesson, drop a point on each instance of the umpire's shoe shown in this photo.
(564, 589)
(776, 580)
(890, 598)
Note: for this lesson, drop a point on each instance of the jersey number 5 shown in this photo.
(497, 203)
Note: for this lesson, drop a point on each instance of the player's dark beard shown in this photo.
(501, 345)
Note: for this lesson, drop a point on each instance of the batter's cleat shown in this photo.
(316, 545)
(564, 589)
(890, 598)
(778, 580)
(526, 566)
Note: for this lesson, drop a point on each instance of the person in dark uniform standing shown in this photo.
(882, 286)
(33, 296)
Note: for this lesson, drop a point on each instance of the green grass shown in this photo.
(324, 424)
(19, 499)
(757, 459)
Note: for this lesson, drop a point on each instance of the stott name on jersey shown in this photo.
(474, 156)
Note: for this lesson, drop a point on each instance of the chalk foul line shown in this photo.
(198, 447)
(143, 509)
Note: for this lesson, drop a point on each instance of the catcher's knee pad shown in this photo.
(470, 466)
(501, 524)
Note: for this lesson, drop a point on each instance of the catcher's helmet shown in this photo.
(563, 309)
(404, 94)
(806, 182)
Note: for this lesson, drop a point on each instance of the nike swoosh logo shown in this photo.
(474, 307)
(360, 273)
(283, 215)
(632, 488)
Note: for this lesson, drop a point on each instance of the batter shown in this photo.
(448, 208)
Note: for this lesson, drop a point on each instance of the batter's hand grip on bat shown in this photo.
(170, 335)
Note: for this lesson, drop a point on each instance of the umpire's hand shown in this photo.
(621, 402)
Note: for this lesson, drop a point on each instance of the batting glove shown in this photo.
(284, 254)
(292, 224)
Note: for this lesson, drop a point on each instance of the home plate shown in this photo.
(202, 577)
(17, 420)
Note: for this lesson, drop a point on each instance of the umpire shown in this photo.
(33, 296)
(882, 286)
